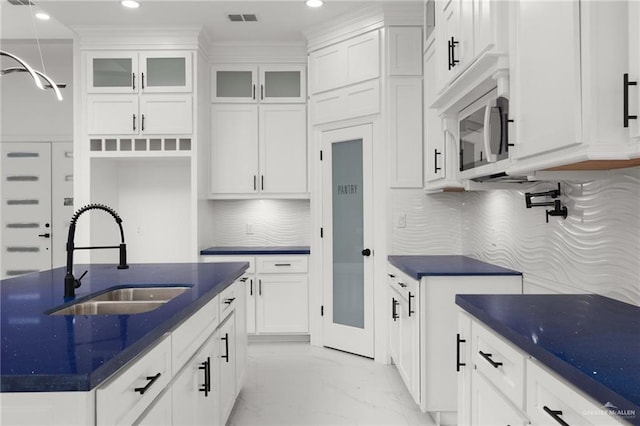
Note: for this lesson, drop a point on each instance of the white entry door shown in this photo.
(36, 195)
(348, 233)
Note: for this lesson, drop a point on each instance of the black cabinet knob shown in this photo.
(366, 252)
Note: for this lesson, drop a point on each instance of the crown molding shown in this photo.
(108, 37)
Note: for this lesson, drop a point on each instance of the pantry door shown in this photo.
(347, 236)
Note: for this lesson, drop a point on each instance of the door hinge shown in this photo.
(322, 310)
(321, 232)
(320, 155)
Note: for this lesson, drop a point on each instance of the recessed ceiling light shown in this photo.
(131, 4)
(314, 3)
(42, 16)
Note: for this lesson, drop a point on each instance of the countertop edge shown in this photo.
(255, 251)
(572, 375)
(395, 261)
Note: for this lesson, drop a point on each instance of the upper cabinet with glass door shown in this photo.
(264, 83)
(143, 72)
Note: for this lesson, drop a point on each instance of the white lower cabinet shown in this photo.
(276, 291)
(160, 413)
(423, 338)
(499, 384)
(227, 361)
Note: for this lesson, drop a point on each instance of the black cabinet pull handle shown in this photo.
(555, 414)
(251, 287)
(142, 81)
(394, 312)
(506, 131)
(262, 92)
(244, 279)
(260, 287)
(458, 341)
(142, 125)
(401, 284)
(254, 91)
(411, 311)
(282, 264)
(146, 387)
(454, 61)
(391, 275)
(134, 122)
(229, 301)
(487, 356)
(206, 366)
(449, 53)
(262, 182)
(625, 103)
(133, 82)
(226, 347)
(255, 182)
(435, 161)
(45, 235)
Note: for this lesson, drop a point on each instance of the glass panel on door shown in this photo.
(348, 232)
(282, 84)
(234, 84)
(112, 72)
(166, 72)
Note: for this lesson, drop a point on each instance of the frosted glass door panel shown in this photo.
(165, 72)
(233, 83)
(282, 84)
(113, 73)
(348, 242)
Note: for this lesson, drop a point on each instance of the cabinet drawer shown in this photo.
(499, 362)
(282, 265)
(124, 397)
(189, 336)
(229, 298)
(549, 399)
(403, 283)
(225, 259)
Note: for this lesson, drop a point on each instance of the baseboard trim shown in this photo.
(273, 338)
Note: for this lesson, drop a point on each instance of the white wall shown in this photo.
(273, 222)
(26, 112)
(595, 250)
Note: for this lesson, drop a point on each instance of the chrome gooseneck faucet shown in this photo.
(70, 282)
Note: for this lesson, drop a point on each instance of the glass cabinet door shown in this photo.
(165, 72)
(112, 72)
(234, 83)
(283, 83)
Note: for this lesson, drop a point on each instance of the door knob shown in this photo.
(46, 235)
(366, 252)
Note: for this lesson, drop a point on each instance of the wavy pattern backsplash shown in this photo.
(273, 222)
(596, 249)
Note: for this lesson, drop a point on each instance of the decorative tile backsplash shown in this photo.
(271, 222)
(596, 249)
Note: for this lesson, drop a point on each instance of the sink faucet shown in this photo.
(70, 282)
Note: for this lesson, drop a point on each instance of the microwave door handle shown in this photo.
(491, 157)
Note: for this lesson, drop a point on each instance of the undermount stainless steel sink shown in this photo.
(123, 301)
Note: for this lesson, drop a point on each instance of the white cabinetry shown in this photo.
(227, 350)
(131, 93)
(502, 385)
(344, 78)
(429, 368)
(277, 293)
(258, 150)
(633, 91)
(571, 117)
(263, 83)
(404, 102)
(160, 413)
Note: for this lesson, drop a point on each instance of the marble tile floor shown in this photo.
(299, 384)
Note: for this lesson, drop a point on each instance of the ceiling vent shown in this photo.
(235, 17)
(21, 2)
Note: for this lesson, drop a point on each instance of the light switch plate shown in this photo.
(249, 229)
(401, 220)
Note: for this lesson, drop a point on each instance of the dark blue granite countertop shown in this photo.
(592, 341)
(52, 353)
(422, 266)
(251, 251)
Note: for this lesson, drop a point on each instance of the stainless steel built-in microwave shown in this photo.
(483, 131)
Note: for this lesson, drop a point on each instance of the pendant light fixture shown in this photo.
(36, 75)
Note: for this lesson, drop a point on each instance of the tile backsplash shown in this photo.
(271, 222)
(596, 249)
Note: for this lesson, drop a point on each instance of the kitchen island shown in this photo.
(568, 357)
(72, 355)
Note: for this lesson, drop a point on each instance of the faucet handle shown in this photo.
(77, 282)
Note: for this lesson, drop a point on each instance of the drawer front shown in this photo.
(549, 400)
(223, 259)
(403, 283)
(282, 265)
(228, 299)
(191, 334)
(124, 397)
(500, 363)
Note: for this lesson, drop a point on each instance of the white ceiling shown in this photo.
(278, 20)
